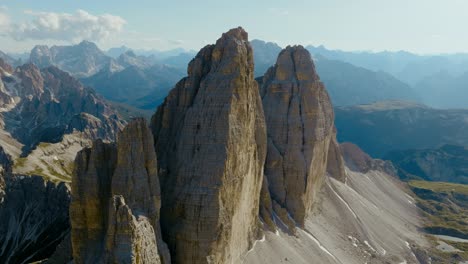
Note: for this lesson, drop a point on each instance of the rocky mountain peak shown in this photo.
(81, 60)
(236, 33)
(130, 53)
(299, 118)
(210, 139)
(295, 62)
(88, 44)
(116, 201)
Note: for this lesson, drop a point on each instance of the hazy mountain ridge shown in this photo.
(393, 125)
(351, 85)
(137, 86)
(81, 60)
(446, 164)
(346, 83)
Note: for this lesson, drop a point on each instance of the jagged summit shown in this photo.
(295, 62)
(238, 33)
(299, 118)
(116, 200)
(210, 139)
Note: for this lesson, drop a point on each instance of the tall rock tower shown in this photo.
(115, 203)
(299, 119)
(211, 143)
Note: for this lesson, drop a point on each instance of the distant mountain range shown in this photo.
(351, 77)
(448, 163)
(347, 84)
(393, 125)
(142, 87)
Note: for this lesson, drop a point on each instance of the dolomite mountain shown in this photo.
(232, 171)
(116, 200)
(299, 118)
(211, 143)
(82, 60)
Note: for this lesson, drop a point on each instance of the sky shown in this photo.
(419, 26)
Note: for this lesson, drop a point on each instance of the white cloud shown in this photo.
(67, 27)
(4, 19)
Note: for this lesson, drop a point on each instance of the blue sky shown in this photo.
(430, 26)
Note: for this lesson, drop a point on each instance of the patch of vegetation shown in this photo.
(44, 145)
(441, 187)
(444, 205)
(57, 175)
(19, 163)
(37, 171)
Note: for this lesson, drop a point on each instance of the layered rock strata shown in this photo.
(211, 143)
(116, 200)
(299, 119)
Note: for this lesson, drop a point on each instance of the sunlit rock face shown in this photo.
(211, 143)
(116, 200)
(299, 119)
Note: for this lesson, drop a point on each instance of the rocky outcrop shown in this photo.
(299, 118)
(33, 219)
(357, 160)
(116, 200)
(210, 138)
(5, 170)
(33, 215)
(335, 161)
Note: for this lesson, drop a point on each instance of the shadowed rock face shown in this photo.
(299, 118)
(33, 215)
(211, 143)
(116, 200)
(5, 169)
(335, 161)
(34, 219)
(357, 160)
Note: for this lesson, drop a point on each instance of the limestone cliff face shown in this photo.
(335, 161)
(211, 143)
(116, 201)
(299, 118)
